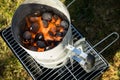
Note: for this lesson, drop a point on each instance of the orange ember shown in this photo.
(40, 49)
(48, 28)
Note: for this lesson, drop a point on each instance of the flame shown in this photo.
(34, 44)
(33, 35)
(58, 21)
(28, 23)
(53, 27)
(58, 38)
(53, 20)
(45, 30)
(40, 50)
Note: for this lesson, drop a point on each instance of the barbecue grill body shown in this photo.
(52, 58)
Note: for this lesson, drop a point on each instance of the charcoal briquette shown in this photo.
(64, 24)
(60, 34)
(41, 44)
(34, 27)
(27, 35)
(47, 16)
(45, 23)
(56, 43)
(33, 48)
(55, 17)
(51, 33)
(49, 42)
(33, 19)
(31, 41)
(64, 33)
(39, 36)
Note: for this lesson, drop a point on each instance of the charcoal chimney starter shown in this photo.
(54, 57)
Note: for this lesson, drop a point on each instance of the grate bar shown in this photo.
(26, 58)
(17, 49)
(20, 52)
(7, 33)
(45, 71)
(61, 72)
(71, 72)
(64, 73)
(54, 73)
(32, 63)
(23, 52)
(11, 38)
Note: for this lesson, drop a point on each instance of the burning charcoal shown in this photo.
(33, 48)
(64, 33)
(59, 34)
(41, 44)
(32, 41)
(45, 23)
(51, 33)
(27, 35)
(55, 17)
(47, 16)
(56, 43)
(34, 27)
(40, 50)
(34, 19)
(58, 28)
(64, 24)
(39, 36)
(53, 29)
(48, 48)
(49, 42)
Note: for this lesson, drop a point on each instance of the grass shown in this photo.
(95, 19)
(113, 73)
(10, 67)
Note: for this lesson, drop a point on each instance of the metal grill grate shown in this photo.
(68, 72)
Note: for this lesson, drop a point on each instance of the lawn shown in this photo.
(95, 19)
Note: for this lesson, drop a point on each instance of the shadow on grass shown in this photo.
(3, 65)
(2, 68)
(95, 20)
(11, 69)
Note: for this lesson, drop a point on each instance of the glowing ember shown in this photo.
(45, 31)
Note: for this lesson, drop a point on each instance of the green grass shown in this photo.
(7, 8)
(10, 67)
(95, 19)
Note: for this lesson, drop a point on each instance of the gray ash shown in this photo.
(47, 16)
(64, 24)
